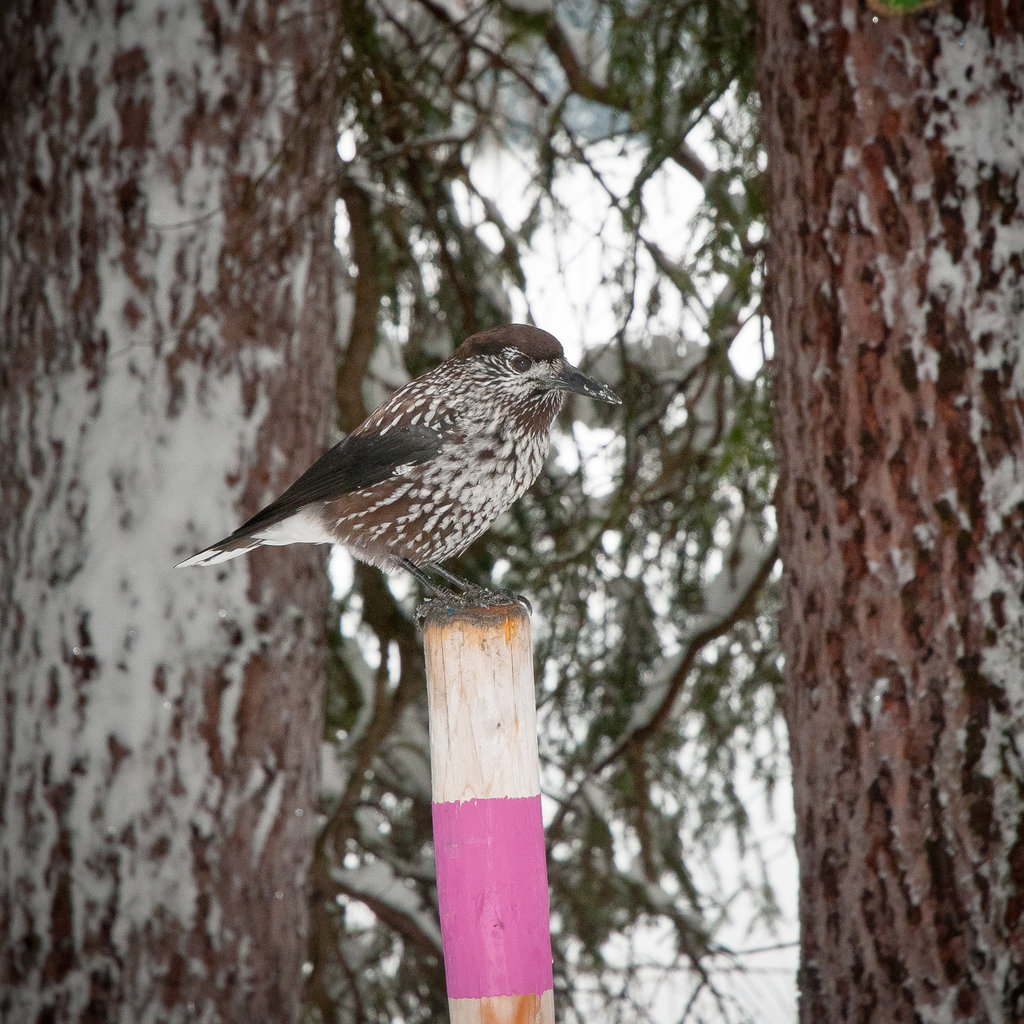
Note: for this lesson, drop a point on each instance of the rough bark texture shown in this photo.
(895, 154)
(165, 363)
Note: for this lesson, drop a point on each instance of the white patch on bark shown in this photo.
(268, 815)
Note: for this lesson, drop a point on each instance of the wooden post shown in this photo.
(488, 834)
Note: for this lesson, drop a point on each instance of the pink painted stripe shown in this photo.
(492, 888)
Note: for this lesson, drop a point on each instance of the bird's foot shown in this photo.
(483, 597)
(467, 595)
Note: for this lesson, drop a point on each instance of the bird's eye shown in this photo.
(521, 363)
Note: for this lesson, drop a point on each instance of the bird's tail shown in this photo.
(230, 547)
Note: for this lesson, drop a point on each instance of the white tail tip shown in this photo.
(211, 556)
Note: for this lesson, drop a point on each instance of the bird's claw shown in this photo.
(486, 598)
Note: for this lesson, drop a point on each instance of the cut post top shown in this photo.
(436, 614)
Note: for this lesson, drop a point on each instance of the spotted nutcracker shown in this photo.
(431, 469)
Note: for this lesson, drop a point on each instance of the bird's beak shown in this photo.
(568, 378)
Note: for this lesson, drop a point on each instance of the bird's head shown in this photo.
(529, 366)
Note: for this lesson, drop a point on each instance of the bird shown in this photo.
(434, 466)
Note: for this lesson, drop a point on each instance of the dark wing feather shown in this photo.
(359, 461)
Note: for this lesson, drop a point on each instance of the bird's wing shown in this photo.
(361, 460)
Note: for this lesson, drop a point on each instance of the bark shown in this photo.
(896, 224)
(165, 365)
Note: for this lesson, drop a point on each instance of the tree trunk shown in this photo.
(165, 365)
(895, 156)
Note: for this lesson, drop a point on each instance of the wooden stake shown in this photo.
(488, 833)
